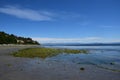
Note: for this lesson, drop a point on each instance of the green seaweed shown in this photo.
(45, 52)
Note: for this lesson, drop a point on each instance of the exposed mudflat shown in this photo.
(60, 67)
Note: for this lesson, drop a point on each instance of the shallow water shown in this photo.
(88, 47)
(106, 57)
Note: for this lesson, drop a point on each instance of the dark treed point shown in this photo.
(6, 38)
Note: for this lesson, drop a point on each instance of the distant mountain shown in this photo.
(82, 44)
(6, 38)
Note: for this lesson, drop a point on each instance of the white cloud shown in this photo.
(79, 40)
(38, 15)
(27, 13)
(70, 40)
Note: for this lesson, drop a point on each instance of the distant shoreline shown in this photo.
(81, 45)
(16, 45)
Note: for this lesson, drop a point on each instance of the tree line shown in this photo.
(6, 38)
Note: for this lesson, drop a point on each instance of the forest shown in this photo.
(6, 38)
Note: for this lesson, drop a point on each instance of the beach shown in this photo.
(60, 67)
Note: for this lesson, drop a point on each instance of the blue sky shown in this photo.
(62, 20)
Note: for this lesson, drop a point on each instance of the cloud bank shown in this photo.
(75, 40)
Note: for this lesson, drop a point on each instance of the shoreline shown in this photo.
(8, 49)
(55, 68)
(12, 45)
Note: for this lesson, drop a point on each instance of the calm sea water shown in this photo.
(88, 47)
(106, 57)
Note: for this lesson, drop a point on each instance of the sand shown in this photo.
(15, 68)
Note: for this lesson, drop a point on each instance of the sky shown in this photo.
(58, 21)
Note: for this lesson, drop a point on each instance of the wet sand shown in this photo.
(15, 68)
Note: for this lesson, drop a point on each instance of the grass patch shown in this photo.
(45, 52)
